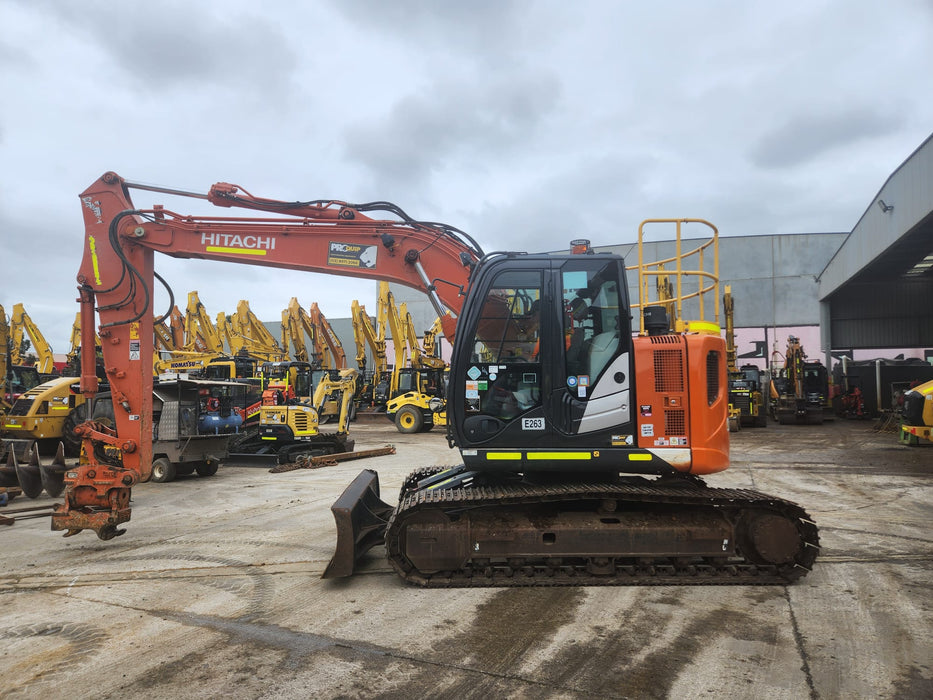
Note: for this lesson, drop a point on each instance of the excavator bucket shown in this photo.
(361, 518)
(28, 474)
(53, 475)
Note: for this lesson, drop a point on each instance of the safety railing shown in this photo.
(695, 273)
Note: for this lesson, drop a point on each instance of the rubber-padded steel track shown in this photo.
(738, 506)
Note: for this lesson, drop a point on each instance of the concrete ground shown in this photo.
(215, 590)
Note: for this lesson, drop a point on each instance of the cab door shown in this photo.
(497, 379)
(591, 364)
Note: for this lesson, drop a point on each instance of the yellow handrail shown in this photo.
(707, 281)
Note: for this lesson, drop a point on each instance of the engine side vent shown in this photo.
(21, 406)
(665, 340)
(713, 380)
(668, 371)
(675, 422)
(302, 423)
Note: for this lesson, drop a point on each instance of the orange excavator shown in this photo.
(583, 446)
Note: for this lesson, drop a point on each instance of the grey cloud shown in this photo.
(593, 199)
(487, 26)
(180, 44)
(805, 137)
(463, 120)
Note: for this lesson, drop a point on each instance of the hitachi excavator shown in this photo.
(583, 447)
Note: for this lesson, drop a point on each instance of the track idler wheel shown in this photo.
(769, 538)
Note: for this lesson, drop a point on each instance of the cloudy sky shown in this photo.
(524, 123)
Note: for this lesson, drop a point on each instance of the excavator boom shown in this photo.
(116, 280)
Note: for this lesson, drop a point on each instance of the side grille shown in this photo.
(712, 377)
(668, 371)
(741, 402)
(675, 422)
(301, 421)
(21, 406)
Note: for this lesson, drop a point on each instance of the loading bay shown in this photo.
(215, 591)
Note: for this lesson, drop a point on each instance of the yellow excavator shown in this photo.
(328, 349)
(799, 389)
(246, 334)
(296, 324)
(747, 403)
(20, 324)
(200, 333)
(917, 416)
(289, 417)
(44, 413)
(419, 402)
(14, 379)
(374, 381)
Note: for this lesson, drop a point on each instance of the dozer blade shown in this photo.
(361, 518)
(53, 475)
(30, 480)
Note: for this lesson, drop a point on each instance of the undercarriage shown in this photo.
(634, 531)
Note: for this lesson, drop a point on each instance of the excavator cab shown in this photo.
(543, 357)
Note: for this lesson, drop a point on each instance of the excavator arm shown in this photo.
(20, 323)
(253, 337)
(429, 342)
(365, 334)
(200, 333)
(294, 326)
(399, 341)
(420, 359)
(116, 280)
(333, 355)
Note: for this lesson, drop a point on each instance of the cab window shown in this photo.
(504, 379)
(594, 319)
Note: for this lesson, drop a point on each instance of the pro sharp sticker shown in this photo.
(351, 255)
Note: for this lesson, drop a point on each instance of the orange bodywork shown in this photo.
(682, 395)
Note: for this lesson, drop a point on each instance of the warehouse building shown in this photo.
(864, 294)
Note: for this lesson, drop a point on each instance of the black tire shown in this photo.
(163, 469)
(408, 419)
(71, 441)
(761, 420)
(206, 468)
